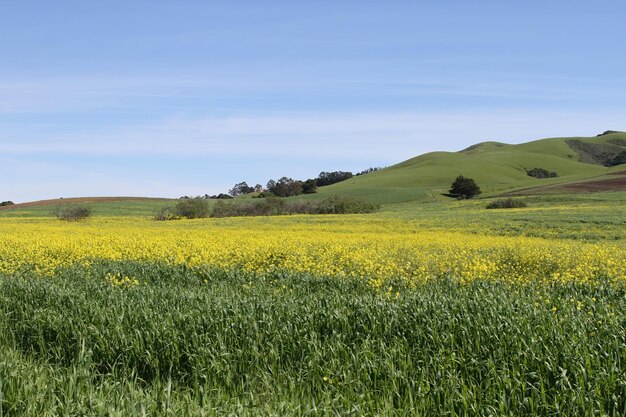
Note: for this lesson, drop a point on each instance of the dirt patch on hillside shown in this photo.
(82, 200)
(615, 181)
(609, 184)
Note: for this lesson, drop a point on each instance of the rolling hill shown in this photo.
(497, 167)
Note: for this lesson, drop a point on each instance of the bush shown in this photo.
(164, 214)
(464, 187)
(269, 206)
(273, 206)
(73, 213)
(506, 203)
(192, 208)
(7, 203)
(541, 173)
(342, 205)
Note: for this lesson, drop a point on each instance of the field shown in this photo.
(420, 309)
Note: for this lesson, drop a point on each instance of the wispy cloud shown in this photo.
(386, 135)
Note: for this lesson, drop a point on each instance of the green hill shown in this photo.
(497, 167)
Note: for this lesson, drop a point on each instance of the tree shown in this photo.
(284, 187)
(309, 187)
(464, 187)
(240, 189)
(328, 178)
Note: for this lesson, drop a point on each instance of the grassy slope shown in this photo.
(496, 167)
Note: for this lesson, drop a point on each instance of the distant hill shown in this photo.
(104, 206)
(497, 167)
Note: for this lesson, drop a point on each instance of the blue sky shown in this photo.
(166, 98)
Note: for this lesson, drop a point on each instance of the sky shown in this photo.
(170, 98)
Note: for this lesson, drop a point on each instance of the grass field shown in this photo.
(424, 308)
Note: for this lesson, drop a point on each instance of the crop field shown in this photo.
(421, 309)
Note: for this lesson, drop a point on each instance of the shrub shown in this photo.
(270, 206)
(464, 187)
(541, 173)
(506, 203)
(273, 206)
(73, 213)
(342, 205)
(6, 203)
(192, 208)
(164, 214)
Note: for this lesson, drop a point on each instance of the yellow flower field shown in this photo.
(369, 247)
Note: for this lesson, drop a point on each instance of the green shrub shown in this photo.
(506, 203)
(541, 173)
(192, 208)
(164, 214)
(274, 206)
(342, 205)
(73, 213)
(7, 203)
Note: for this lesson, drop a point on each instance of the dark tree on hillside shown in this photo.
(240, 189)
(464, 187)
(285, 187)
(309, 187)
(327, 178)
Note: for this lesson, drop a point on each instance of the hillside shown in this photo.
(497, 167)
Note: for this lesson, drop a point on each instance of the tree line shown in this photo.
(288, 187)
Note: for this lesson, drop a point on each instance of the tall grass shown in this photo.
(196, 341)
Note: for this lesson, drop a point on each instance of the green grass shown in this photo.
(203, 342)
(589, 217)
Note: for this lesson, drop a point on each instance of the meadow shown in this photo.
(420, 309)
